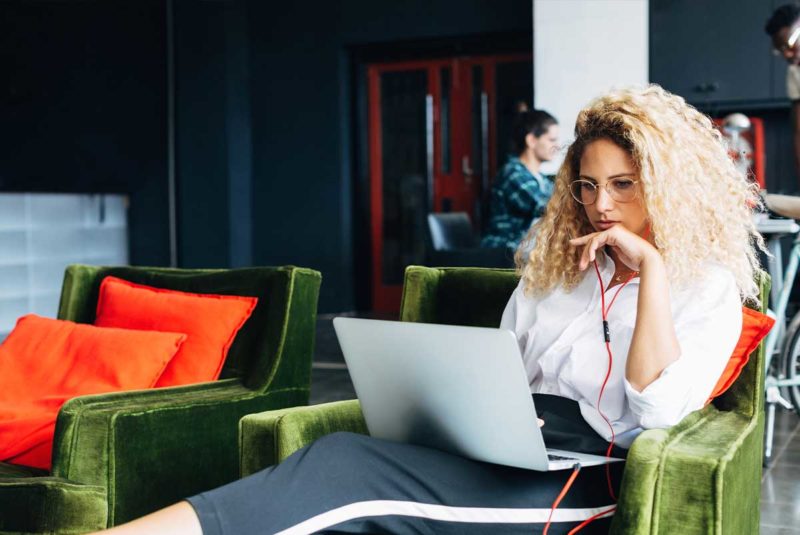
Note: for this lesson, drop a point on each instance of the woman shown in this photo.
(520, 191)
(628, 307)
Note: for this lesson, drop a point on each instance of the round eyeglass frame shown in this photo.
(606, 187)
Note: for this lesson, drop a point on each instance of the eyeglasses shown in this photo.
(780, 49)
(620, 189)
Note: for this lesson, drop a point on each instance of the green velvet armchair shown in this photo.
(701, 476)
(121, 455)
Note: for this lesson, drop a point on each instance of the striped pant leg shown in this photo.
(348, 483)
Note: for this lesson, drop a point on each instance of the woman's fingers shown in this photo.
(628, 246)
(577, 242)
(589, 253)
(582, 239)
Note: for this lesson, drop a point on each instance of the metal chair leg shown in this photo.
(773, 397)
(770, 425)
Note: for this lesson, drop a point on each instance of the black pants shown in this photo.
(349, 483)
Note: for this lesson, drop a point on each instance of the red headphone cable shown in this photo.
(592, 518)
(571, 480)
(607, 338)
(567, 485)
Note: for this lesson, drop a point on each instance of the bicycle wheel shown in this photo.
(790, 357)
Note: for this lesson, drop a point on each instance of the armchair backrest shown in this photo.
(281, 292)
(477, 297)
(456, 296)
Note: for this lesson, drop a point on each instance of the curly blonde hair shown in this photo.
(698, 205)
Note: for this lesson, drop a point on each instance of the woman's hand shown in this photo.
(540, 422)
(630, 248)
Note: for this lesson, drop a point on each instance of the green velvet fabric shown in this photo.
(121, 455)
(701, 476)
(269, 437)
(456, 296)
(50, 505)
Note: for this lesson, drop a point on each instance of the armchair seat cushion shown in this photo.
(8, 471)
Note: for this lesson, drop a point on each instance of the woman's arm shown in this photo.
(178, 519)
(654, 345)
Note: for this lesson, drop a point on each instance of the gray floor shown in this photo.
(780, 484)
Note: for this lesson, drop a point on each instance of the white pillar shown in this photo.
(582, 48)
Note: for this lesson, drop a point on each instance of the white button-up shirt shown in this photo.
(561, 339)
(793, 82)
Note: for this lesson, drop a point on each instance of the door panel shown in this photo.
(432, 146)
(401, 156)
(404, 108)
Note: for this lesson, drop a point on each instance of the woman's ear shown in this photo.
(530, 141)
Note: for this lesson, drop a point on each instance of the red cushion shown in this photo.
(755, 327)
(44, 362)
(209, 321)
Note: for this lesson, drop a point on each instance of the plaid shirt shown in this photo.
(518, 197)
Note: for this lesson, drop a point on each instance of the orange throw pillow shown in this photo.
(45, 362)
(755, 327)
(209, 321)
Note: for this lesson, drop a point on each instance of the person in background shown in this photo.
(520, 192)
(783, 27)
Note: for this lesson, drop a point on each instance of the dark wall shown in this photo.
(83, 106)
(213, 141)
(301, 97)
(264, 127)
(780, 169)
(264, 107)
(200, 148)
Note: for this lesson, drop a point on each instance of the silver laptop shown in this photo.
(463, 390)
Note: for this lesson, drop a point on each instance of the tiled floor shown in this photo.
(780, 484)
(329, 378)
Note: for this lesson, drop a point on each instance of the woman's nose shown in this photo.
(604, 201)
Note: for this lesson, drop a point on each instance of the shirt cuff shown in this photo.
(663, 402)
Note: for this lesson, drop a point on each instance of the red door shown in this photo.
(433, 131)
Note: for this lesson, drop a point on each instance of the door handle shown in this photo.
(429, 150)
(466, 169)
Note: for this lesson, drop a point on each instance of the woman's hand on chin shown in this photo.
(630, 248)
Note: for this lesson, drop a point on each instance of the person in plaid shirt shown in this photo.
(520, 192)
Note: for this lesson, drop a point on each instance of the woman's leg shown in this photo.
(178, 519)
(351, 483)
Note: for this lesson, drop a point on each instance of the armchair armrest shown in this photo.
(686, 479)
(77, 508)
(269, 437)
(156, 439)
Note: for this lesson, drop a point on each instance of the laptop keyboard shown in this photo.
(553, 457)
